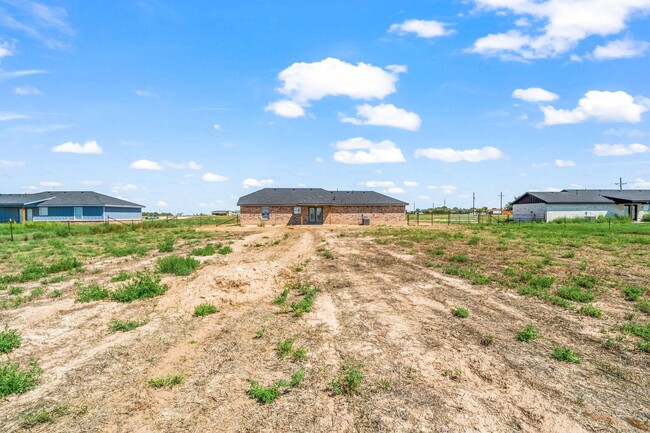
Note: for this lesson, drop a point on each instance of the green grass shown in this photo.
(308, 293)
(37, 271)
(475, 277)
(565, 354)
(9, 340)
(43, 416)
(204, 309)
(15, 380)
(124, 325)
(585, 281)
(167, 246)
(324, 252)
(15, 290)
(529, 333)
(284, 347)
(143, 285)
(461, 312)
(168, 381)
(643, 306)
(576, 294)
(122, 276)
(57, 293)
(299, 353)
(633, 293)
(225, 250)
(177, 265)
(208, 250)
(459, 258)
(268, 394)
(259, 333)
(640, 330)
(590, 310)
(92, 292)
(282, 298)
(349, 379)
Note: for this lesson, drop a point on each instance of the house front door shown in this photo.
(78, 213)
(315, 215)
(30, 214)
(632, 211)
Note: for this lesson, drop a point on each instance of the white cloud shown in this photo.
(10, 115)
(319, 160)
(50, 184)
(534, 94)
(385, 115)
(452, 155)
(146, 94)
(445, 189)
(131, 143)
(7, 75)
(91, 182)
(558, 26)
(623, 132)
(162, 203)
(640, 184)
(216, 127)
(27, 90)
(621, 49)
(553, 189)
(378, 184)
(189, 165)
(256, 183)
(410, 183)
(145, 164)
(304, 82)
(395, 190)
(285, 108)
(619, 149)
(602, 106)
(564, 163)
(11, 164)
(119, 187)
(359, 150)
(88, 148)
(212, 177)
(421, 28)
(6, 49)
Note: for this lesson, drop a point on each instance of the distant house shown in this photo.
(66, 206)
(304, 206)
(224, 212)
(585, 203)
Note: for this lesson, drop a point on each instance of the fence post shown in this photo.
(11, 229)
(417, 219)
(448, 219)
(69, 232)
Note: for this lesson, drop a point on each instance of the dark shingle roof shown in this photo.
(64, 198)
(589, 196)
(315, 196)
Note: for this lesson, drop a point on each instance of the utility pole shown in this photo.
(620, 183)
(501, 201)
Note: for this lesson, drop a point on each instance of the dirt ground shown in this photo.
(424, 369)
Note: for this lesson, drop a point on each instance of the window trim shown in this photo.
(267, 212)
(44, 211)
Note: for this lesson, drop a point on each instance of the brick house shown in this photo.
(316, 206)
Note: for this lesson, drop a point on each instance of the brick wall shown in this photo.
(283, 215)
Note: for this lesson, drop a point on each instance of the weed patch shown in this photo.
(348, 382)
(284, 347)
(208, 250)
(461, 312)
(15, 380)
(565, 354)
(590, 310)
(268, 394)
(122, 276)
(167, 246)
(529, 333)
(93, 292)
(574, 293)
(177, 265)
(643, 306)
(124, 325)
(168, 381)
(325, 253)
(43, 416)
(9, 340)
(204, 309)
(633, 293)
(639, 330)
(143, 285)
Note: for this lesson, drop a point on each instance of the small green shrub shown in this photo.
(299, 353)
(57, 293)
(43, 416)
(282, 298)
(560, 302)
(487, 339)
(204, 309)
(568, 254)
(349, 379)
(305, 305)
(15, 290)
(461, 312)
(574, 293)
(529, 333)
(436, 252)
(644, 346)
(590, 310)
(585, 281)
(177, 265)
(639, 330)
(92, 292)
(143, 285)
(14, 380)
(474, 240)
(325, 253)
(268, 394)
(565, 354)
(167, 246)
(284, 347)
(633, 293)
(169, 381)
(9, 340)
(124, 325)
(225, 250)
(208, 250)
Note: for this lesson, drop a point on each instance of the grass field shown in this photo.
(188, 327)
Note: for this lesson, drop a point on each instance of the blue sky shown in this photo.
(186, 106)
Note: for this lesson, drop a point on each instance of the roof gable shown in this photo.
(585, 196)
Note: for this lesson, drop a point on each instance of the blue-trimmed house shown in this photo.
(82, 206)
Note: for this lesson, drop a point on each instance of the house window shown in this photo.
(646, 207)
(265, 213)
(43, 211)
(296, 210)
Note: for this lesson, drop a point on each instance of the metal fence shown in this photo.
(415, 219)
